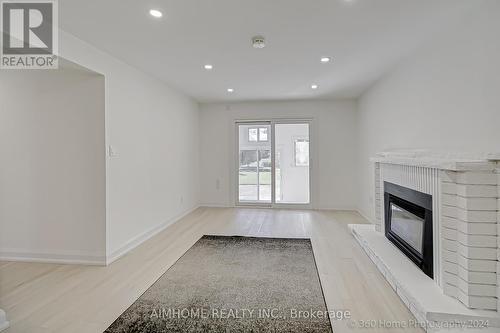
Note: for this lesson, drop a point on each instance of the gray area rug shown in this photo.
(234, 284)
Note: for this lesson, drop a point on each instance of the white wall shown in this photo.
(52, 167)
(445, 97)
(333, 134)
(154, 129)
(152, 180)
(154, 177)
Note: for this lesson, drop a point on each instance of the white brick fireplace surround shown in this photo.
(466, 224)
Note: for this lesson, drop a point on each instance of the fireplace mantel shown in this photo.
(465, 190)
(440, 161)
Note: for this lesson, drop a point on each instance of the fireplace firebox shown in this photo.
(408, 224)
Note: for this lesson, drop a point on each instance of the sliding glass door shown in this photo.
(273, 163)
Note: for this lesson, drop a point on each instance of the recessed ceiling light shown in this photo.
(208, 67)
(314, 86)
(325, 59)
(230, 90)
(155, 13)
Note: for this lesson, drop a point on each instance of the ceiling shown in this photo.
(365, 38)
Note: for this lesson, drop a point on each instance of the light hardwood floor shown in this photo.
(72, 298)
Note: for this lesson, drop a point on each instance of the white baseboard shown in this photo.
(216, 205)
(51, 257)
(341, 208)
(85, 258)
(365, 216)
(138, 240)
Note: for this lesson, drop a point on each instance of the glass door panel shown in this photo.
(265, 175)
(292, 163)
(248, 185)
(254, 167)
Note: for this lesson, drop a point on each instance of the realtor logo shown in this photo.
(29, 38)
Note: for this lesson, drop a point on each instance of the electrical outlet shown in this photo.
(182, 199)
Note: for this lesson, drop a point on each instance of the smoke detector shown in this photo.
(258, 42)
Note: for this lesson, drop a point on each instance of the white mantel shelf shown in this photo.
(439, 161)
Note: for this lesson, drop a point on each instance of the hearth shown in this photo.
(408, 224)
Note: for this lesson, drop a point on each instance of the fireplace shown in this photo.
(408, 224)
(461, 249)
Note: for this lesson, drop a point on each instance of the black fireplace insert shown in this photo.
(408, 224)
